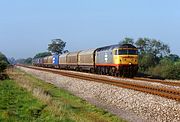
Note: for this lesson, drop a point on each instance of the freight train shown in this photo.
(115, 60)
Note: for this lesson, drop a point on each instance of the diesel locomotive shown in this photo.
(115, 60)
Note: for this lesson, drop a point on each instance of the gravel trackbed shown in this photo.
(133, 106)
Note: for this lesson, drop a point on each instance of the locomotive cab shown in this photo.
(126, 57)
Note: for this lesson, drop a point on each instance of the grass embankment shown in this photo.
(26, 98)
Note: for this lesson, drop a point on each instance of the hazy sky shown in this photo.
(27, 26)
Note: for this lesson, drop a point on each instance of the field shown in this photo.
(26, 98)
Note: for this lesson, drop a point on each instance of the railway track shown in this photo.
(158, 81)
(163, 92)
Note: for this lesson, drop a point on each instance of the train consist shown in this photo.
(116, 60)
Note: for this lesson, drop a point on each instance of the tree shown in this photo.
(56, 46)
(173, 57)
(24, 61)
(146, 61)
(153, 46)
(142, 44)
(3, 62)
(3, 65)
(43, 54)
(150, 52)
(3, 58)
(28, 60)
(65, 51)
(127, 41)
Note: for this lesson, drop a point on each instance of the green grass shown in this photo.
(16, 104)
(27, 98)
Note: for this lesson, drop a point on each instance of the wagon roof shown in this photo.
(63, 55)
(89, 51)
(73, 53)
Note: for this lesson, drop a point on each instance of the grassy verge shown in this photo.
(16, 104)
(26, 98)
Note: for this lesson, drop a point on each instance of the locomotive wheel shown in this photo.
(98, 70)
(111, 72)
(77, 68)
(91, 70)
(101, 71)
(131, 72)
(124, 72)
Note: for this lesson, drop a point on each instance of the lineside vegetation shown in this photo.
(26, 98)
(3, 65)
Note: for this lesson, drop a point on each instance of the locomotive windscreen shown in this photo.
(126, 52)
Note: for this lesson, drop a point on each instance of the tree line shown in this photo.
(155, 57)
(55, 47)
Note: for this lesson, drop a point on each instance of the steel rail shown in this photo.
(158, 81)
(163, 92)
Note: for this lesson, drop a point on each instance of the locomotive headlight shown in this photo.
(130, 63)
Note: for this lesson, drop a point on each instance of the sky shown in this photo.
(28, 26)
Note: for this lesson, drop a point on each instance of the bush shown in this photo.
(3, 66)
(177, 70)
(166, 69)
(3, 57)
